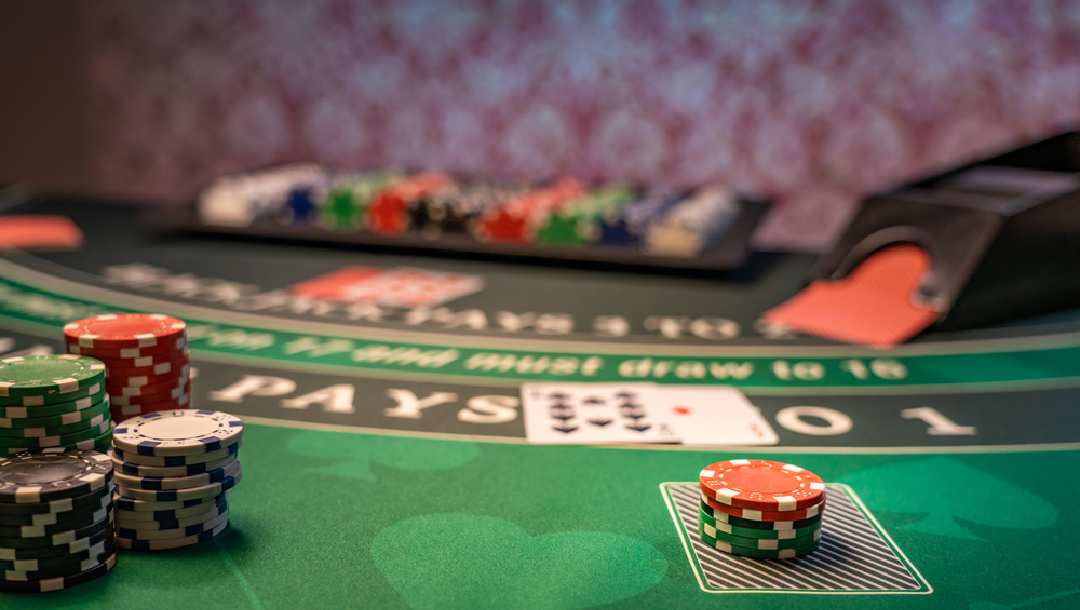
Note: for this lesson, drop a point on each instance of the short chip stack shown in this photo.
(760, 508)
(53, 401)
(173, 469)
(146, 357)
(56, 520)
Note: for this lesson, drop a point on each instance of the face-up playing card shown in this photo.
(712, 415)
(597, 413)
(592, 413)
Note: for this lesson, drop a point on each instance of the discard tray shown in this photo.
(1002, 234)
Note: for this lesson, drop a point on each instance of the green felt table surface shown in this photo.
(345, 520)
(362, 503)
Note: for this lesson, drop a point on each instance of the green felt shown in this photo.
(341, 520)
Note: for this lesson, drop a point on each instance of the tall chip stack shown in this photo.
(56, 519)
(760, 508)
(173, 469)
(146, 357)
(53, 401)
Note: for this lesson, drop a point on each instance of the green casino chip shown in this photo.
(65, 430)
(54, 424)
(761, 544)
(44, 379)
(726, 547)
(61, 440)
(752, 532)
(95, 394)
(100, 443)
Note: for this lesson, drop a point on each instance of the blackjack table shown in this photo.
(387, 465)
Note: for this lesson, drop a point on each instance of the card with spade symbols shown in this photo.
(592, 413)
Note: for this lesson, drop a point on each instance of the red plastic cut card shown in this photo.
(874, 305)
(38, 231)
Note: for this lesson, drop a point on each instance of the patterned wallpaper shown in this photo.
(812, 101)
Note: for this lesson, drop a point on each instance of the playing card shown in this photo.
(874, 305)
(711, 415)
(39, 231)
(592, 413)
(397, 287)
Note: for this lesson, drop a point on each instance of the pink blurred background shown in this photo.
(815, 102)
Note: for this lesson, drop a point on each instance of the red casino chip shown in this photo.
(120, 413)
(133, 356)
(181, 402)
(388, 213)
(767, 515)
(158, 369)
(121, 398)
(178, 377)
(517, 219)
(762, 485)
(123, 387)
(125, 330)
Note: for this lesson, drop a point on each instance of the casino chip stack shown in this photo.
(173, 469)
(56, 519)
(53, 401)
(760, 508)
(146, 357)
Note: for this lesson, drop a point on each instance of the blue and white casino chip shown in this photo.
(181, 432)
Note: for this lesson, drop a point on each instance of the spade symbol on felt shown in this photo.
(946, 497)
(351, 455)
